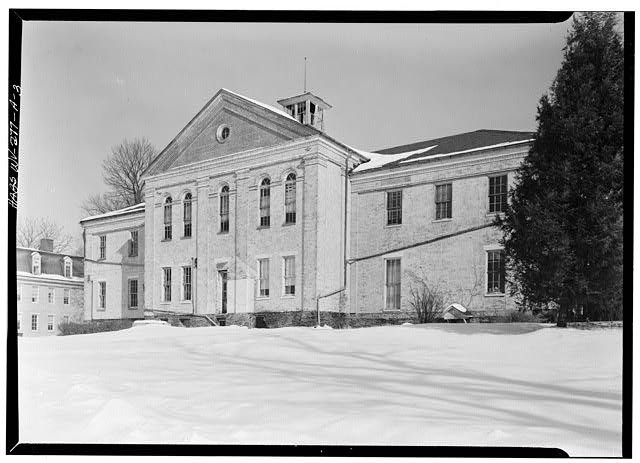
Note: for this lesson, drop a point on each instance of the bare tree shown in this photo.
(427, 300)
(30, 231)
(122, 173)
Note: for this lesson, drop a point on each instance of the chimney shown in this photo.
(46, 244)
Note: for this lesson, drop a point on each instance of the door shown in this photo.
(223, 288)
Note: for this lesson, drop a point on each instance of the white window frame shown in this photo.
(284, 276)
(487, 249)
(36, 260)
(51, 295)
(37, 319)
(259, 294)
(290, 193)
(68, 262)
(163, 295)
(489, 211)
(102, 247)
(51, 321)
(183, 284)
(224, 207)
(384, 300)
(37, 293)
(102, 299)
(129, 293)
(66, 296)
(134, 244)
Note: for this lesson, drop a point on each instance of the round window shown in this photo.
(223, 133)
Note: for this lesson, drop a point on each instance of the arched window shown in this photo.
(265, 202)
(167, 218)
(35, 264)
(186, 205)
(224, 209)
(290, 199)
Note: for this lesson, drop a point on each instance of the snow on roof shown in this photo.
(379, 160)
(49, 276)
(480, 148)
(265, 106)
(126, 210)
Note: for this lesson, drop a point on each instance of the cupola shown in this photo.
(307, 109)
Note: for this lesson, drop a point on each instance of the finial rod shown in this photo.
(305, 74)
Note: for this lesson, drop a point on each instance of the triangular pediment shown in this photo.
(248, 124)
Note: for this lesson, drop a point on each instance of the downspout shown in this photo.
(302, 165)
(194, 264)
(322, 297)
(344, 239)
(235, 253)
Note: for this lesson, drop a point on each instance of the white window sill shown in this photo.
(495, 294)
(262, 298)
(393, 225)
(288, 296)
(442, 220)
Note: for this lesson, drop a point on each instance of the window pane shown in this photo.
(394, 207)
(224, 209)
(290, 275)
(263, 271)
(265, 203)
(443, 201)
(290, 199)
(495, 272)
(166, 284)
(393, 284)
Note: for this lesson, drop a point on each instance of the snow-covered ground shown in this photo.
(498, 385)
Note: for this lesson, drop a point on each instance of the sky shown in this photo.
(87, 86)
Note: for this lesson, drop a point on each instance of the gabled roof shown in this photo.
(444, 146)
(305, 96)
(279, 120)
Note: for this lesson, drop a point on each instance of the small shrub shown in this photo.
(94, 326)
(427, 301)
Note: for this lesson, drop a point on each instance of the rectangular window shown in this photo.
(498, 188)
(51, 297)
(35, 264)
(166, 284)
(102, 295)
(35, 294)
(392, 284)
(133, 294)
(67, 268)
(443, 201)
(133, 244)
(66, 296)
(290, 275)
(394, 207)
(302, 109)
(50, 320)
(186, 283)
(19, 321)
(65, 319)
(34, 322)
(103, 247)
(263, 276)
(290, 199)
(167, 219)
(495, 272)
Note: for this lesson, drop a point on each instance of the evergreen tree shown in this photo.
(563, 228)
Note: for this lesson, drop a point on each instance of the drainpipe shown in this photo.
(346, 186)
(302, 241)
(322, 297)
(235, 252)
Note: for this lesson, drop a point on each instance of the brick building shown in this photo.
(50, 289)
(255, 209)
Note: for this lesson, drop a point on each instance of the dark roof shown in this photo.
(459, 142)
(51, 263)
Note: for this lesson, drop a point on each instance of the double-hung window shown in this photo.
(392, 284)
(102, 295)
(36, 264)
(498, 188)
(35, 294)
(51, 296)
(495, 272)
(263, 277)
(103, 246)
(265, 202)
(290, 199)
(289, 275)
(66, 295)
(443, 201)
(186, 283)
(133, 294)
(133, 244)
(167, 218)
(68, 267)
(394, 207)
(34, 322)
(50, 321)
(166, 284)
